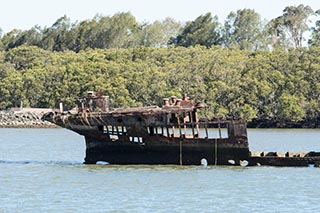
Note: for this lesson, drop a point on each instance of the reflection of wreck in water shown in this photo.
(162, 135)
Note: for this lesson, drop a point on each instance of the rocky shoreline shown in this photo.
(31, 118)
(23, 119)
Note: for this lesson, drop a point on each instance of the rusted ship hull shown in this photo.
(153, 135)
(283, 161)
(177, 152)
(287, 160)
(188, 155)
(116, 147)
(165, 135)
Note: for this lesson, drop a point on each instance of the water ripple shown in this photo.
(20, 162)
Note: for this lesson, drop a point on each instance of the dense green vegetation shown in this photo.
(243, 68)
(275, 87)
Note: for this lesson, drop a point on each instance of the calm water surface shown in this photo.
(41, 170)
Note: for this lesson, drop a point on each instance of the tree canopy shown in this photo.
(246, 68)
(277, 88)
(243, 28)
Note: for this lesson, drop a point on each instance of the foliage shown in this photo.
(315, 36)
(202, 31)
(278, 87)
(243, 68)
(294, 23)
(244, 29)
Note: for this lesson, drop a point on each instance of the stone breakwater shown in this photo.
(23, 119)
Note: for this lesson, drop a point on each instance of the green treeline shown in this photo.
(245, 68)
(244, 29)
(279, 87)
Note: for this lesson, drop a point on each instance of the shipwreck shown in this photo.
(170, 134)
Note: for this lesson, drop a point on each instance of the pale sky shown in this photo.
(24, 14)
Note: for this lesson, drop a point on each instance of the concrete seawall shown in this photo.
(25, 118)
